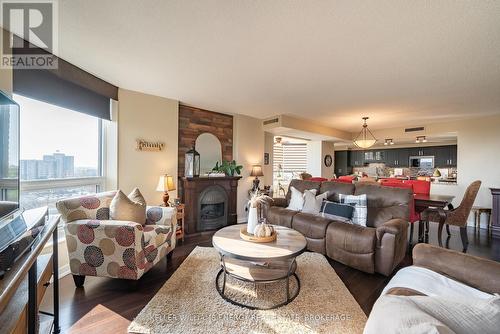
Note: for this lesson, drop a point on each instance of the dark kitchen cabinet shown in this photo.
(397, 157)
(356, 158)
(342, 163)
(446, 156)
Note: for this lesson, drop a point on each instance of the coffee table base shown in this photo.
(289, 299)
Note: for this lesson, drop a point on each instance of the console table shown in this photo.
(495, 225)
(23, 286)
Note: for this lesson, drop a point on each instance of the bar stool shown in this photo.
(478, 210)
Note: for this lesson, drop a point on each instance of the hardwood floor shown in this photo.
(108, 305)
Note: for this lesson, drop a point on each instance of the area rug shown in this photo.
(190, 303)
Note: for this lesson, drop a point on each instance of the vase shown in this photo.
(253, 220)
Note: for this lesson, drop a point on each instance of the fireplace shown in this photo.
(212, 208)
(210, 202)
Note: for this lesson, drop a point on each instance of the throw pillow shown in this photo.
(124, 208)
(136, 196)
(360, 207)
(312, 203)
(337, 211)
(296, 200)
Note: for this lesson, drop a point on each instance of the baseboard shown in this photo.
(64, 271)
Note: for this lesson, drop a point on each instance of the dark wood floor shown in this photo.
(109, 305)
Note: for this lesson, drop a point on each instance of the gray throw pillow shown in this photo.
(312, 203)
(360, 207)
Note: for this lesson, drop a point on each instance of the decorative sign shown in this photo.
(144, 145)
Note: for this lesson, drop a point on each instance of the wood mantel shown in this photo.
(193, 187)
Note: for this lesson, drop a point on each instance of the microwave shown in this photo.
(424, 162)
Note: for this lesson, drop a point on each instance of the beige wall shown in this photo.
(268, 148)
(327, 148)
(248, 150)
(150, 118)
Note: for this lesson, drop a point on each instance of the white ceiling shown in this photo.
(400, 62)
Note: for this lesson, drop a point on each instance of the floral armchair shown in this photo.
(98, 246)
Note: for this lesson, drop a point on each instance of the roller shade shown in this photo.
(67, 86)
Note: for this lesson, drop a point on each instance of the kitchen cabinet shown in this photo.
(444, 156)
(341, 163)
(397, 157)
(356, 158)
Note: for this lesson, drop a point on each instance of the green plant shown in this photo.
(227, 167)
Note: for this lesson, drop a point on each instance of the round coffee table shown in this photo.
(258, 263)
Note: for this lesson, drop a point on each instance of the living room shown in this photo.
(262, 167)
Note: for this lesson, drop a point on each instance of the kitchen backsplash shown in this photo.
(380, 170)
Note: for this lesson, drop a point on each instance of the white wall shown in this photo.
(248, 150)
(150, 118)
(316, 152)
(314, 158)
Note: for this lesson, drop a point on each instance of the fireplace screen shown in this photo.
(212, 209)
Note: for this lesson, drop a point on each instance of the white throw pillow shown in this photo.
(296, 200)
(360, 207)
(312, 203)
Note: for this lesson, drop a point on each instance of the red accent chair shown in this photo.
(346, 178)
(341, 180)
(414, 215)
(317, 179)
(420, 187)
(390, 180)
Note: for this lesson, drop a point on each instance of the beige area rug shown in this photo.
(190, 303)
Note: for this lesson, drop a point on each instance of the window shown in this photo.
(60, 153)
(289, 160)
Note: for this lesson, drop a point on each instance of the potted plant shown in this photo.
(230, 168)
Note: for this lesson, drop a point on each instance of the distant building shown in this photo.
(55, 166)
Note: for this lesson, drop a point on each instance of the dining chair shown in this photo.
(458, 216)
(414, 215)
(421, 187)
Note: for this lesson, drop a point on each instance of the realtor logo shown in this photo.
(30, 38)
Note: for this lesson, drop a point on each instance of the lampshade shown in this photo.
(365, 139)
(256, 171)
(166, 183)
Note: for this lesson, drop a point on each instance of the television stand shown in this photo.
(23, 286)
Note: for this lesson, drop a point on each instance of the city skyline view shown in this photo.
(53, 166)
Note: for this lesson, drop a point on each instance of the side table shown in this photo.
(180, 219)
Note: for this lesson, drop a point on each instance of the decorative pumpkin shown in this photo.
(263, 230)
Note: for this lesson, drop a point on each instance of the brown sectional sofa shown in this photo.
(379, 247)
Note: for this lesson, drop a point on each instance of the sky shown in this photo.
(46, 128)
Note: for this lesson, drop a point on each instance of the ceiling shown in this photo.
(403, 63)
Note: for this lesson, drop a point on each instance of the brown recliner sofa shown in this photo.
(378, 247)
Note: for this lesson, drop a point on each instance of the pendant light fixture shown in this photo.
(365, 139)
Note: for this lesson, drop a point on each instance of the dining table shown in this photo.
(437, 203)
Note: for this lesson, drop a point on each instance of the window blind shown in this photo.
(290, 157)
(67, 86)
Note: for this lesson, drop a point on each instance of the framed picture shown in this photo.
(266, 158)
(328, 160)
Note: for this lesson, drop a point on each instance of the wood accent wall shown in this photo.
(195, 121)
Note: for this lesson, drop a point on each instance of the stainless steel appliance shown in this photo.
(424, 162)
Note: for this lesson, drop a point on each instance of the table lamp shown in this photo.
(256, 171)
(166, 184)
